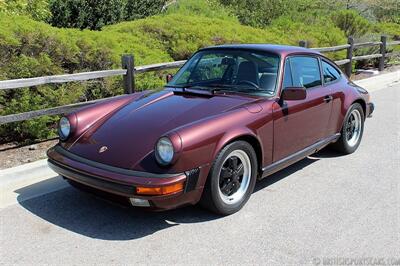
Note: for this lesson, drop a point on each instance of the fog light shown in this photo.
(139, 202)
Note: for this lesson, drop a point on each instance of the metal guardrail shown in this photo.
(129, 71)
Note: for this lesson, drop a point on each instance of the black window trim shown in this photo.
(322, 59)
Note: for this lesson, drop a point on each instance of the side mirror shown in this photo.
(169, 77)
(293, 93)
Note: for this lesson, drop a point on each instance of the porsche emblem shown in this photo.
(103, 149)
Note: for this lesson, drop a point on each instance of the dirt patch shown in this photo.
(12, 154)
(367, 73)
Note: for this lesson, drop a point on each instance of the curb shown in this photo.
(26, 171)
(28, 181)
(380, 81)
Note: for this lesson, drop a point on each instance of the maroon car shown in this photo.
(231, 115)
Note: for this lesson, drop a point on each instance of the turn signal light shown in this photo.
(160, 190)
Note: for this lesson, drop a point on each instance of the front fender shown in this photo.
(202, 140)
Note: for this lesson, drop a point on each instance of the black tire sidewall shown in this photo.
(346, 147)
(220, 206)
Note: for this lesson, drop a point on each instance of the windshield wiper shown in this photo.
(211, 87)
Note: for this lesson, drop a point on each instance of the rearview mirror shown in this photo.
(294, 93)
(169, 77)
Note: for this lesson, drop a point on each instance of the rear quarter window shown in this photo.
(330, 73)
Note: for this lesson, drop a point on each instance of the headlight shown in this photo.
(64, 128)
(164, 151)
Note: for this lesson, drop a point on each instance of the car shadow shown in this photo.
(284, 173)
(327, 153)
(85, 214)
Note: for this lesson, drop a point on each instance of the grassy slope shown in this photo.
(29, 48)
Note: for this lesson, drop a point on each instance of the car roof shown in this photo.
(271, 48)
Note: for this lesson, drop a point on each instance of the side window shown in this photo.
(330, 73)
(287, 78)
(305, 71)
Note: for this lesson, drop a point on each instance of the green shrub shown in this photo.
(261, 13)
(182, 35)
(386, 10)
(392, 30)
(36, 9)
(351, 23)
(210, 9)
(82, 14)
(135, 9)
(94, 14)
(315, 31)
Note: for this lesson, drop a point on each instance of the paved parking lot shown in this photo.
(326, 206)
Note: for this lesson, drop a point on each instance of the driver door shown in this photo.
(301, 123)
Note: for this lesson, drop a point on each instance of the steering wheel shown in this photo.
(248, 82)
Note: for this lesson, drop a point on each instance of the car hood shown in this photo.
(130, 134)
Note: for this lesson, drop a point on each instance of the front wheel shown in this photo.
(352, 130)
(231, 180)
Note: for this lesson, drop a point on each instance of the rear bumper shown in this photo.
(123, 182)
(370, 109)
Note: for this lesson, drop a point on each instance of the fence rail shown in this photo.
(128, 71)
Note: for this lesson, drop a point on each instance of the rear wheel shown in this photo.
(352, 130)
(231, 180)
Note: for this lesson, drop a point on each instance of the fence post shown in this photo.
(129, 77)
(348, 67)
(303, 43)
(382, 52)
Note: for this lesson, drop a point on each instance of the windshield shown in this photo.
(229, 70)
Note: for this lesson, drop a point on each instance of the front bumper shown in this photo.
(370, 109)
(123, 182)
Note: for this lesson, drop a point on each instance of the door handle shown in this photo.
(328, 98)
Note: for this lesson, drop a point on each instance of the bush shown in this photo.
(82, 14)
(351, 23)
(392, 30)
(210, 9)
(94, 14)
(182, 35)
(36, 9)
(140, 9)
(261, 13)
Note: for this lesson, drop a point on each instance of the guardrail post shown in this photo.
(129, 77)
(303, 43)
(349, 65)
(382, 52)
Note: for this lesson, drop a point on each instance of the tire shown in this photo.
(352, 130)
(227, 190)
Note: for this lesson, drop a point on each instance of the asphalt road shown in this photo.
(325, 207)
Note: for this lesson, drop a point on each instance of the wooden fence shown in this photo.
(128, 71)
